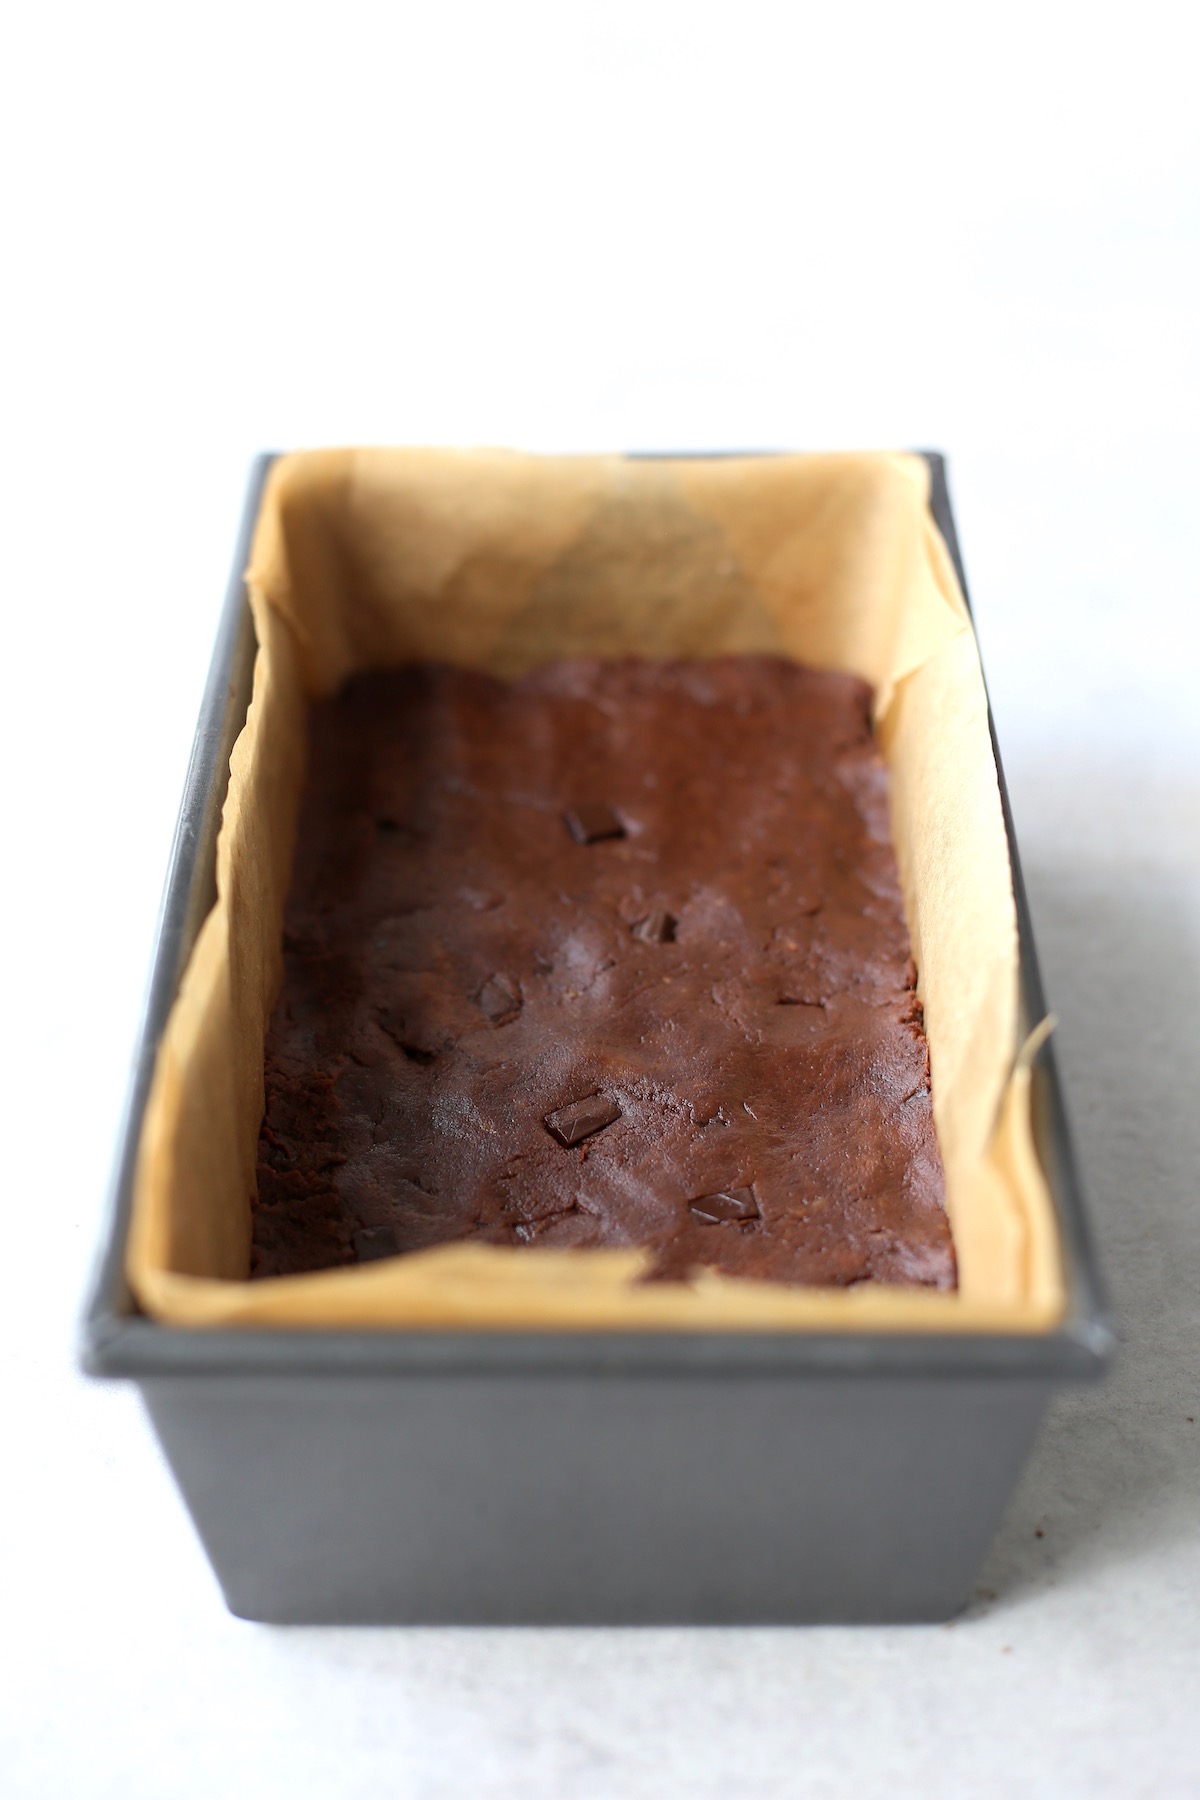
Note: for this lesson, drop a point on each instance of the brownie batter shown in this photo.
(610, 955)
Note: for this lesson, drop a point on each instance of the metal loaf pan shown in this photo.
(505, 1478)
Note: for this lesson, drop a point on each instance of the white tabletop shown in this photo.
(651, 230)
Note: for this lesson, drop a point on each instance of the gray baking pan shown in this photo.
(505, 1478)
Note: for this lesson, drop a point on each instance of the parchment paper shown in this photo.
(371, 558)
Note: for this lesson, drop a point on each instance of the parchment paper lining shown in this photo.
(371, 558)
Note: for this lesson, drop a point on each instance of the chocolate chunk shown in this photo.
(572, 1123)
(589, 823)
(481, 899)
(658, 928)
(732, 1205)
(279, 1156)
(500, 999)
(375, 1242)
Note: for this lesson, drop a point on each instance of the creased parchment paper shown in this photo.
(371, 558)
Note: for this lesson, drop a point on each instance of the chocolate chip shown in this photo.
(731, 1205)
(589, 823)
(500, 999)
(571, 1124)
(375, 1242)
(657, 928)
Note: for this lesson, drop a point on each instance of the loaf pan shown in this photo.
(563, 1478)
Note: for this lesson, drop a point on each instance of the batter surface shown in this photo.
(611, 955)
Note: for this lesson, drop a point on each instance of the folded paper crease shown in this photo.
(372, 558)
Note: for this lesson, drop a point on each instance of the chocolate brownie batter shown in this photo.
(610, 955)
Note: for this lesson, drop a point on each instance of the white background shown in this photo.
(228, 228)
